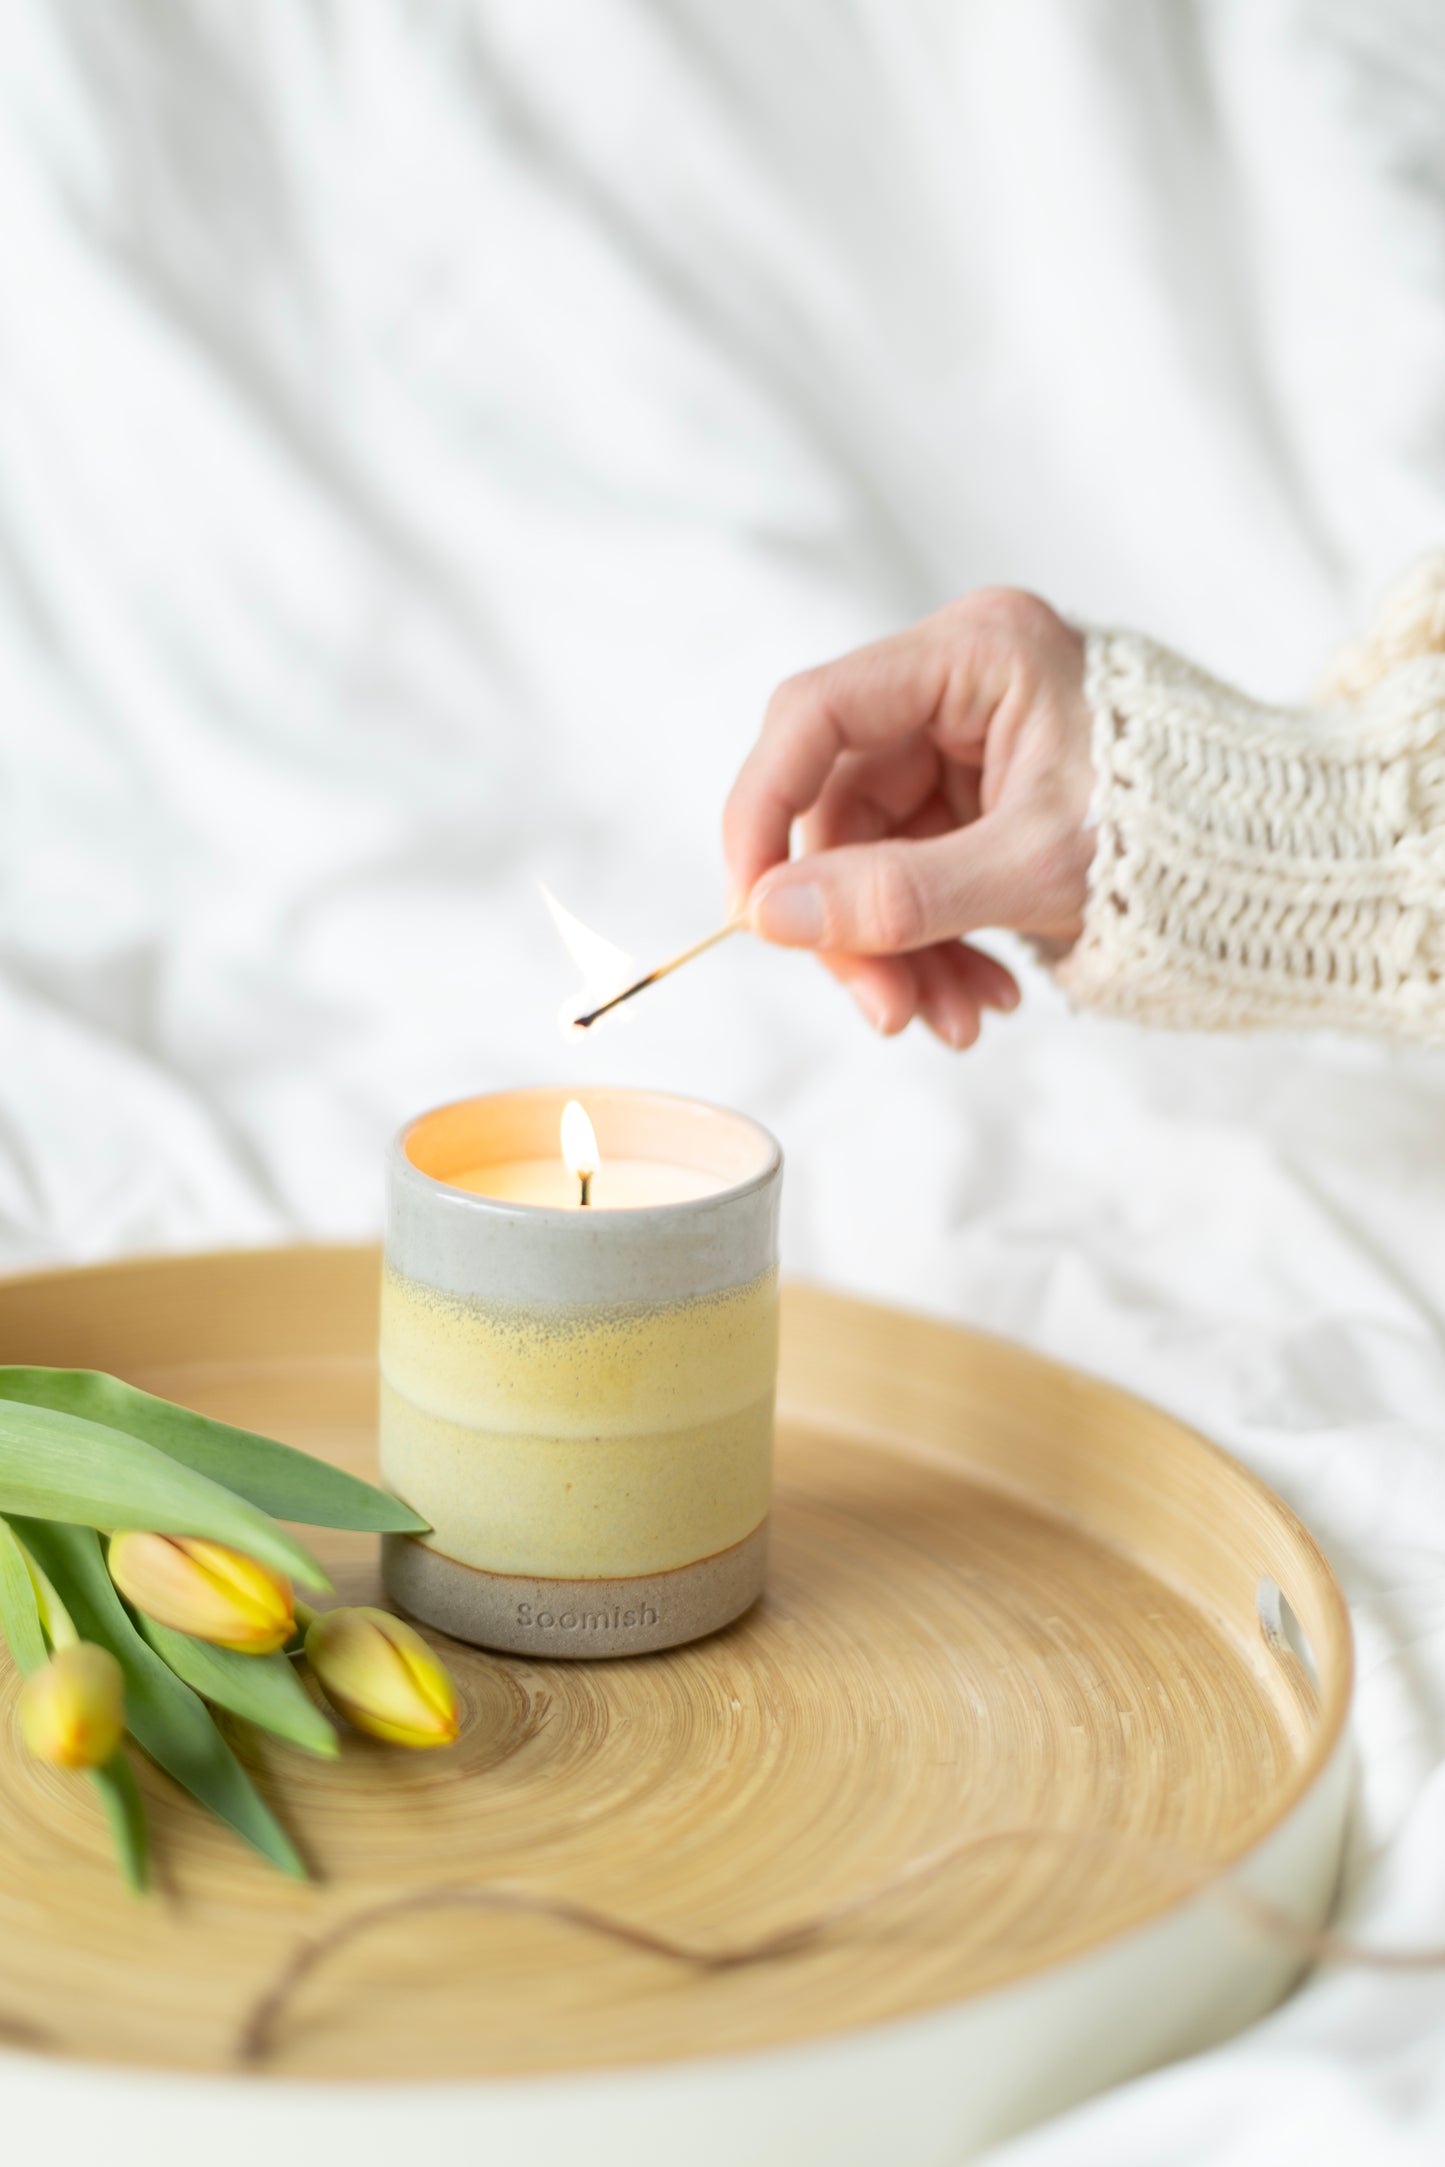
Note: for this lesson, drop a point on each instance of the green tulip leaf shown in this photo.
(162, 1713)
(289, 1485)
(19, 1611)
(59, 1466)
(126, 1813)
(116, 1784)
(263, 1688)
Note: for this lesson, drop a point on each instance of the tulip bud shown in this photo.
(383, 1677)
(72, 1710)
(205, 1589)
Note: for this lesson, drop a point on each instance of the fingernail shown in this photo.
(870, 1006)
(792, 915)
(1007, 998)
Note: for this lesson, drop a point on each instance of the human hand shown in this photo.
(941, 782)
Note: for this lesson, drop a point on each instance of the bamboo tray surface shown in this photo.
(1004, 1597)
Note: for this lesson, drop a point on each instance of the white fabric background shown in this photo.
(426, 434)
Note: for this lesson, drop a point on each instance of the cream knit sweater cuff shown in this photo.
(1260, 865)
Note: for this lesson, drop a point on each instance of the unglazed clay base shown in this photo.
(592, 1620)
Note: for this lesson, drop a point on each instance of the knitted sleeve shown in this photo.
(1260, 865)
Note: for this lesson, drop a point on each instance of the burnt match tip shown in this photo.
(585, 1023)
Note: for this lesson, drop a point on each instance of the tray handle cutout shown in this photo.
(1287, 1640)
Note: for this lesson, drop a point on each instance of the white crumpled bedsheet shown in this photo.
(427, 433)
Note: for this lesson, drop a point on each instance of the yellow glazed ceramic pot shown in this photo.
(579, 1399)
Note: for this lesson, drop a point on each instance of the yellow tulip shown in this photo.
(383, 1677)
(204, 1588)
(72, 1710)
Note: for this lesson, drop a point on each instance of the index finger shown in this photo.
(874, 697)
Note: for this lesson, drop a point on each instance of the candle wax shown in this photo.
(618, 1185)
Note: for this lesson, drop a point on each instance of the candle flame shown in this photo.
(579, 1140)
(605, 969)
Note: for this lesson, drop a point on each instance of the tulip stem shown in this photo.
(305, 1615)
(56, 1619)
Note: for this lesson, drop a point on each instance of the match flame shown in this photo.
(605, 969)
(579, 1141)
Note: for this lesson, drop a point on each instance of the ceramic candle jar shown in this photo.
(580, 1400)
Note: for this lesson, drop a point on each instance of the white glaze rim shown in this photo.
(461, 1243)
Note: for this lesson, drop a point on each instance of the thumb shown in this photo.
(883, 899)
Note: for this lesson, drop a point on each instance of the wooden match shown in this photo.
(663, 970)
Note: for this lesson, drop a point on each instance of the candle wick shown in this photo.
(586, 1181)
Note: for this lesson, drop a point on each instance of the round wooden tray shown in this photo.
(1005, 1599)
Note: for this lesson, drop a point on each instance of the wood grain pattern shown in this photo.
(1002, 1595)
